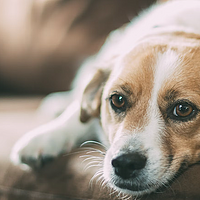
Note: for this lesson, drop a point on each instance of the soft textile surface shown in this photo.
(43, 42)
(65, 178)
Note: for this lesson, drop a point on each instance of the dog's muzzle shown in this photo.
(133, 166)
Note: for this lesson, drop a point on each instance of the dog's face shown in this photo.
(150, 107)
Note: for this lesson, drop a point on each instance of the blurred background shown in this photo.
(43, 42)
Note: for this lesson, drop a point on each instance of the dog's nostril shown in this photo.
(126, 165)
(116, 163)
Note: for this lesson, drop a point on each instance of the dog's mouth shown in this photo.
(133, 187)
(139, 188)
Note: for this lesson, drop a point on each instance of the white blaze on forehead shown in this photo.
(166, 65)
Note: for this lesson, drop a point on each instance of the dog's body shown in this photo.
(145, 90)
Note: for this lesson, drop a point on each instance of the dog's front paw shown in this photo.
(36, 151)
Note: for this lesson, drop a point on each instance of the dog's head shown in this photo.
(148, 101)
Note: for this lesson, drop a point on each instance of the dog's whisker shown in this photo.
(92, 164)
(171, 189)
(126, 197)
(93, 142)
(79, 151)
(136, 197)
(87, 151)
(118, 193)
(92, 179)
(91, 161)
(104, 183)
(177, 181)
(101, 182)
(92, 150)
(101, 178)
(98, 176)
(99, 162)
(88, 147)
(98, 173)
(121, 195)
(112, 191)
(91, 158)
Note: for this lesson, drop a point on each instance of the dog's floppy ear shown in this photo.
(91, 100)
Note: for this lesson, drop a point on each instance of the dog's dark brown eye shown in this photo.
(183, 110)
(118, 102)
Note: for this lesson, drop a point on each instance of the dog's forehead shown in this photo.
(152, 67)
(145, 67)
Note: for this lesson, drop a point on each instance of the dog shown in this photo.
(141, 95)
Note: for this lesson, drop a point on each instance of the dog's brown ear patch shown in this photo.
(91, 100)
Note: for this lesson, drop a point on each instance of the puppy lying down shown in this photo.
(141, 95)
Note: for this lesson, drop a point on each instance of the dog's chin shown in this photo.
(133, 189)
(141, 188)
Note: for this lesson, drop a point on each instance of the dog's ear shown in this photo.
(91, 100)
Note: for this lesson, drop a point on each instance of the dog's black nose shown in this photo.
(128, 165)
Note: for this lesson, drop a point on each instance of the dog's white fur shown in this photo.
(61, 134)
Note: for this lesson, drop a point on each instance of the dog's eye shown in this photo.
(184, 111)
(117, 102)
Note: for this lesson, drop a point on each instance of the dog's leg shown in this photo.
(48, 141)
(63, 133)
